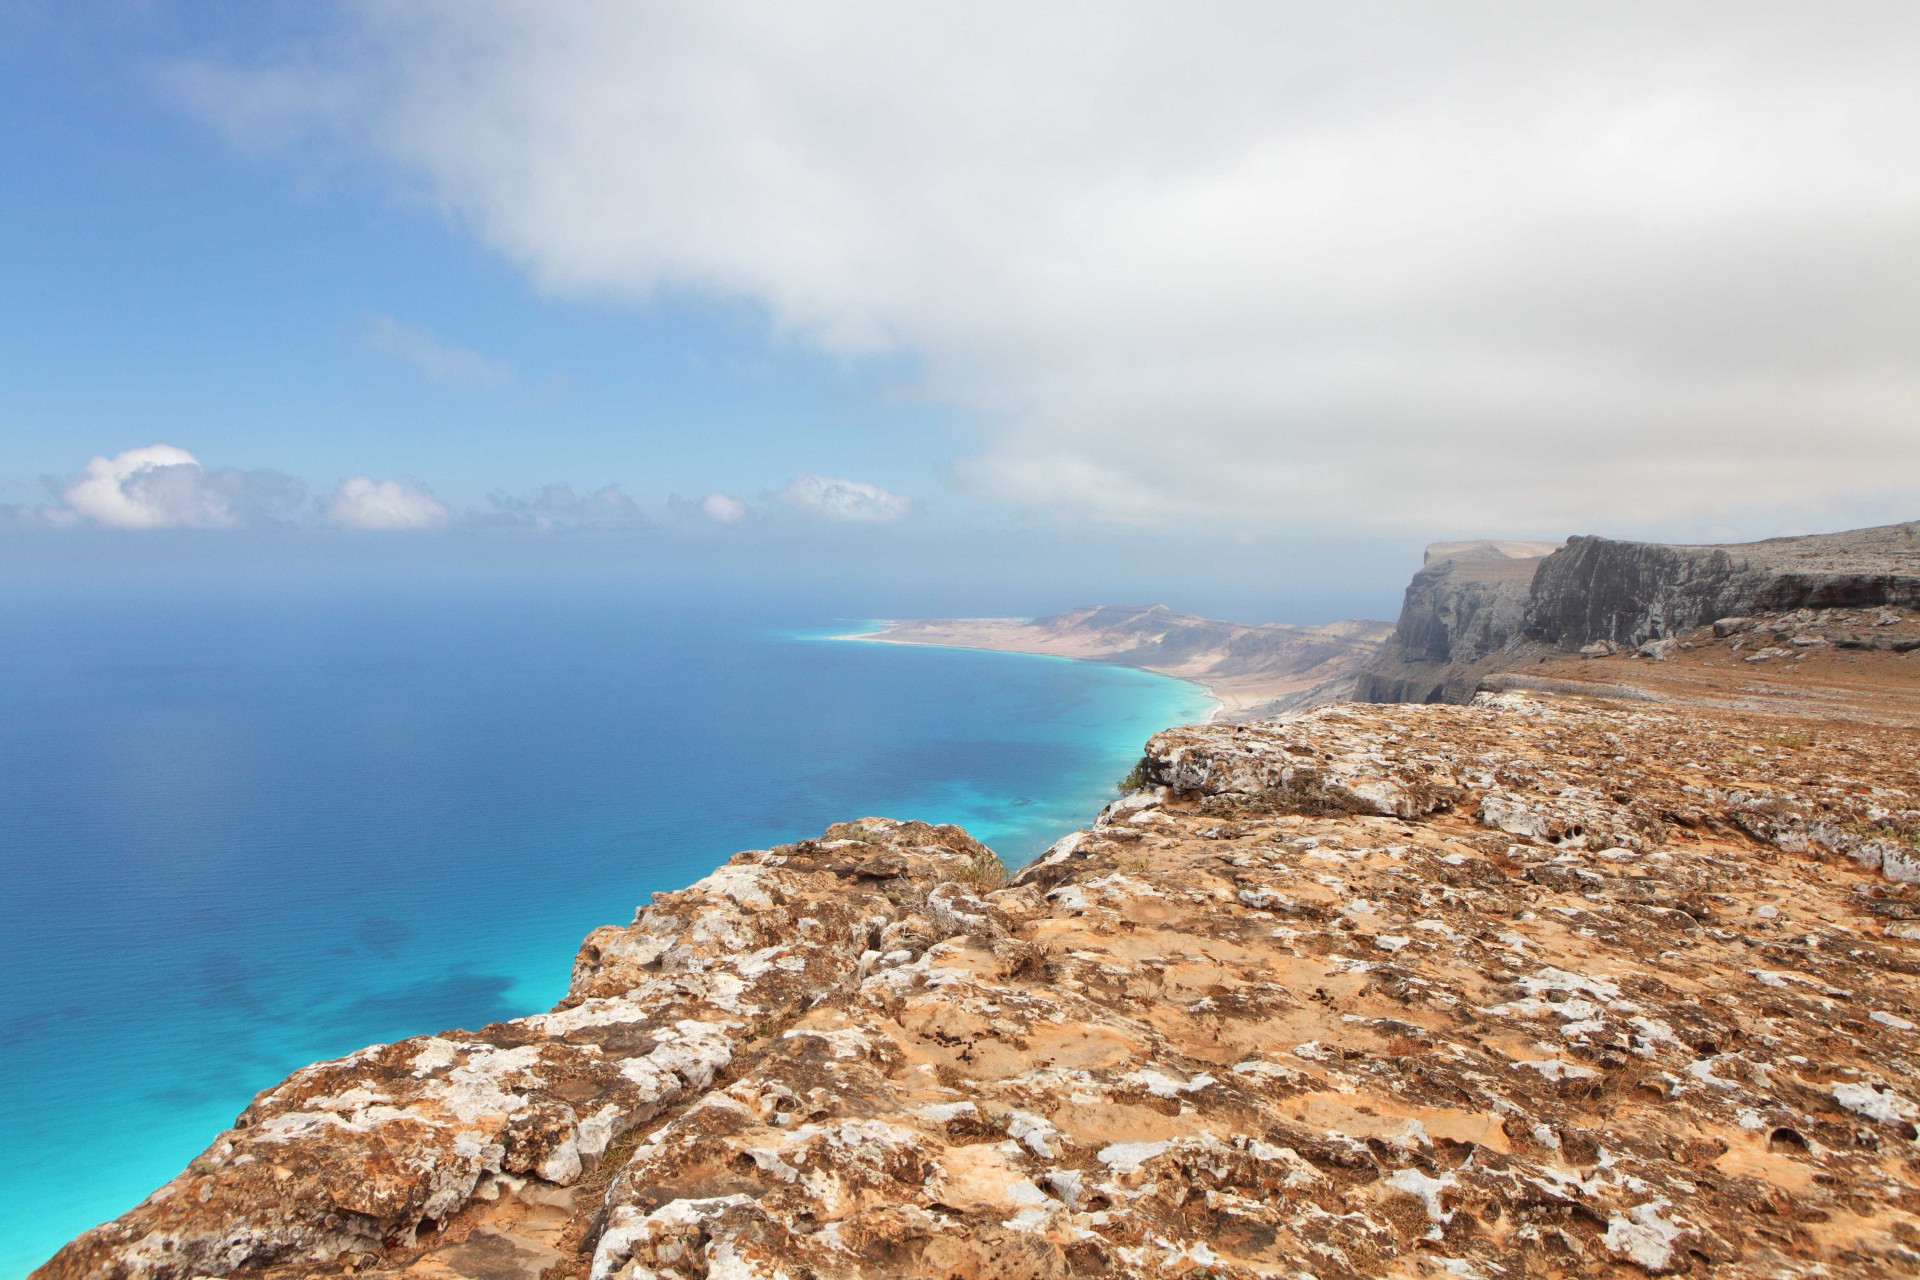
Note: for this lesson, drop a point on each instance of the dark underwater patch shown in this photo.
(383, 935)
(458, 999)
(225, 982)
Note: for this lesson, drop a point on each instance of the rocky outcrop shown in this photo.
(1527, 987)
(1469, 615)
(356, 1158)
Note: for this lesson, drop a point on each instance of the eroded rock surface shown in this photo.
(1532, 987)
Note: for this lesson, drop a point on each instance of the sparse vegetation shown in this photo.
(1898, 828)
(1135, 779)
(984, 870)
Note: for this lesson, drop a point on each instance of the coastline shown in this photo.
(864, 1053)
(1224, 703)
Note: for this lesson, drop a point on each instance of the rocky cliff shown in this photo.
(1522, 988)
(1631, 592)
(1462, 611)
(1476, 609)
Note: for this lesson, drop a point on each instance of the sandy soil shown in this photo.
(1875, 686)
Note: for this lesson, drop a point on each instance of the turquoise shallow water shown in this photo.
(243, 829)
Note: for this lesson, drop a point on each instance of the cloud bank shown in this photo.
(165, 487)
(1475, 266)
(557, 506)
(820, 498)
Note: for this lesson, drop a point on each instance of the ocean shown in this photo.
(247, 825)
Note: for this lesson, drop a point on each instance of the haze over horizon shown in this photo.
(982, 307)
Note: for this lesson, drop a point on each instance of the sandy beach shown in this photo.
(1014, 635)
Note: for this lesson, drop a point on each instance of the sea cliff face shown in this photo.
(1631, 592)
(1525, 987)
(1477, 611)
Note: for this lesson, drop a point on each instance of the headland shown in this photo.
(1250, 670)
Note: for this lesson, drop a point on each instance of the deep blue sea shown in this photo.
(246, 826)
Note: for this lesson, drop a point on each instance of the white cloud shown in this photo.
(721, 509)
(103, 492)
(440, 361)
(1487, 267)
(162, 487)
(843, 501)
(557, 506)
(361, 502)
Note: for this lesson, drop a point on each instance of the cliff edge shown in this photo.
(1526, 987)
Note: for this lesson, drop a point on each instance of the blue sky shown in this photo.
(1244, 293)
(164, 286)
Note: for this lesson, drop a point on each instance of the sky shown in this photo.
(1233, 305)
